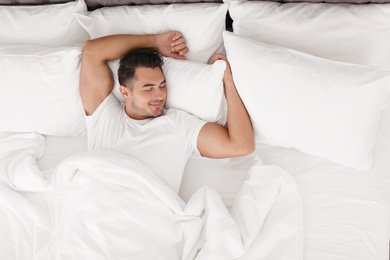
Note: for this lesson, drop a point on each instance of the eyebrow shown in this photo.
(151, 85)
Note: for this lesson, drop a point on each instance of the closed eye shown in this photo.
(149, 87)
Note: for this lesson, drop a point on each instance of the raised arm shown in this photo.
(96, 79)
(216, 141)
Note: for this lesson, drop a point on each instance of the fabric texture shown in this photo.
(192, 86)
(103, 204)
(39, 89)
(348, 33)
(321, 107)
(202, 24)
(48, 25)
(164, 143)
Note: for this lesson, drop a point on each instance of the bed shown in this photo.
(315, 78)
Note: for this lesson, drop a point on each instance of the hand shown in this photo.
(171, 44)
(228, 71)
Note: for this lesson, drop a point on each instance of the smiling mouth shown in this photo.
(156, 104)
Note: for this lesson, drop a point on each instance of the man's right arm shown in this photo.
(96, 79)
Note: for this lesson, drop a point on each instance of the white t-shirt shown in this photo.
(164, 143)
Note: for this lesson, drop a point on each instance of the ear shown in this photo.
(125, 92)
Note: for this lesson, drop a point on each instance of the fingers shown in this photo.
(178, 44)
(181, 49)
(176, 36)
(171, 44)
(177, 56)
(217, 56)
(213, 58)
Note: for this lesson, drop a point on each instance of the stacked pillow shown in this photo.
(202, 24)
(40, 90)
(44, 25)
(309, 83)
(39, 60)
(193, 85)
(341, 32)
(41, 48)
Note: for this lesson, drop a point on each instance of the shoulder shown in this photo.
(179, 115)
(110, 105)
(183, 118)
(110, 102)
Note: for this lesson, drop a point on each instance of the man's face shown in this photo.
(148, 94)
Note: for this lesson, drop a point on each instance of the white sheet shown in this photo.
(104, 205)
(345, 212)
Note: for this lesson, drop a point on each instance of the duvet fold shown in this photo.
(106, 205)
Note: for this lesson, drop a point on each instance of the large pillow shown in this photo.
(349, 33)
(192, 86)
(320, 107)
(39, 90)
(202, 24)
(49, 25)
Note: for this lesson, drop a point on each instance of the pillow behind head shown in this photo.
(320, 107)
(192, 86)
(202, 24)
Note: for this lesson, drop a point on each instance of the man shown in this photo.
(161, 139)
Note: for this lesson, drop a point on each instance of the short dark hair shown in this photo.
(143, 57)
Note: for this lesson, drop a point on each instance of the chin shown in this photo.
(159, 113)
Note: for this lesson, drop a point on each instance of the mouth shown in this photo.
(156, 103)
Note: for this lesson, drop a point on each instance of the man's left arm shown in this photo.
(237, 139)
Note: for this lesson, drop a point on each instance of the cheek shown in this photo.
(143, 95)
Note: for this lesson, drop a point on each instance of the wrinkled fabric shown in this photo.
(105, 205)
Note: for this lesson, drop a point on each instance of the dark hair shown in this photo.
(144, 57)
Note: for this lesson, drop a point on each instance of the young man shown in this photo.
(162, 139)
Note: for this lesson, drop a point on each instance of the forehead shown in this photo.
(149, 75)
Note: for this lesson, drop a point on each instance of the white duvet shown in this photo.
(104, 205)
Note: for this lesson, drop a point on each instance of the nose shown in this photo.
(160, 93)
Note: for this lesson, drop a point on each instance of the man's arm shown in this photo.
(216, 141)
(96, 80)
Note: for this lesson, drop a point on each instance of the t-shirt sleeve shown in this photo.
(193, 126)
(102, 122)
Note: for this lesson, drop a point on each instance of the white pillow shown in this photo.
(39, 90)
(202, 24)
(349, 33)
(194, 87)
(49, 25)
(320, 107)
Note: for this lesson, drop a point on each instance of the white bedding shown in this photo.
(59, 201)
(104, 205)
(345, 212)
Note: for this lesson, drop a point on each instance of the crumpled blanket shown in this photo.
(105, 205)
